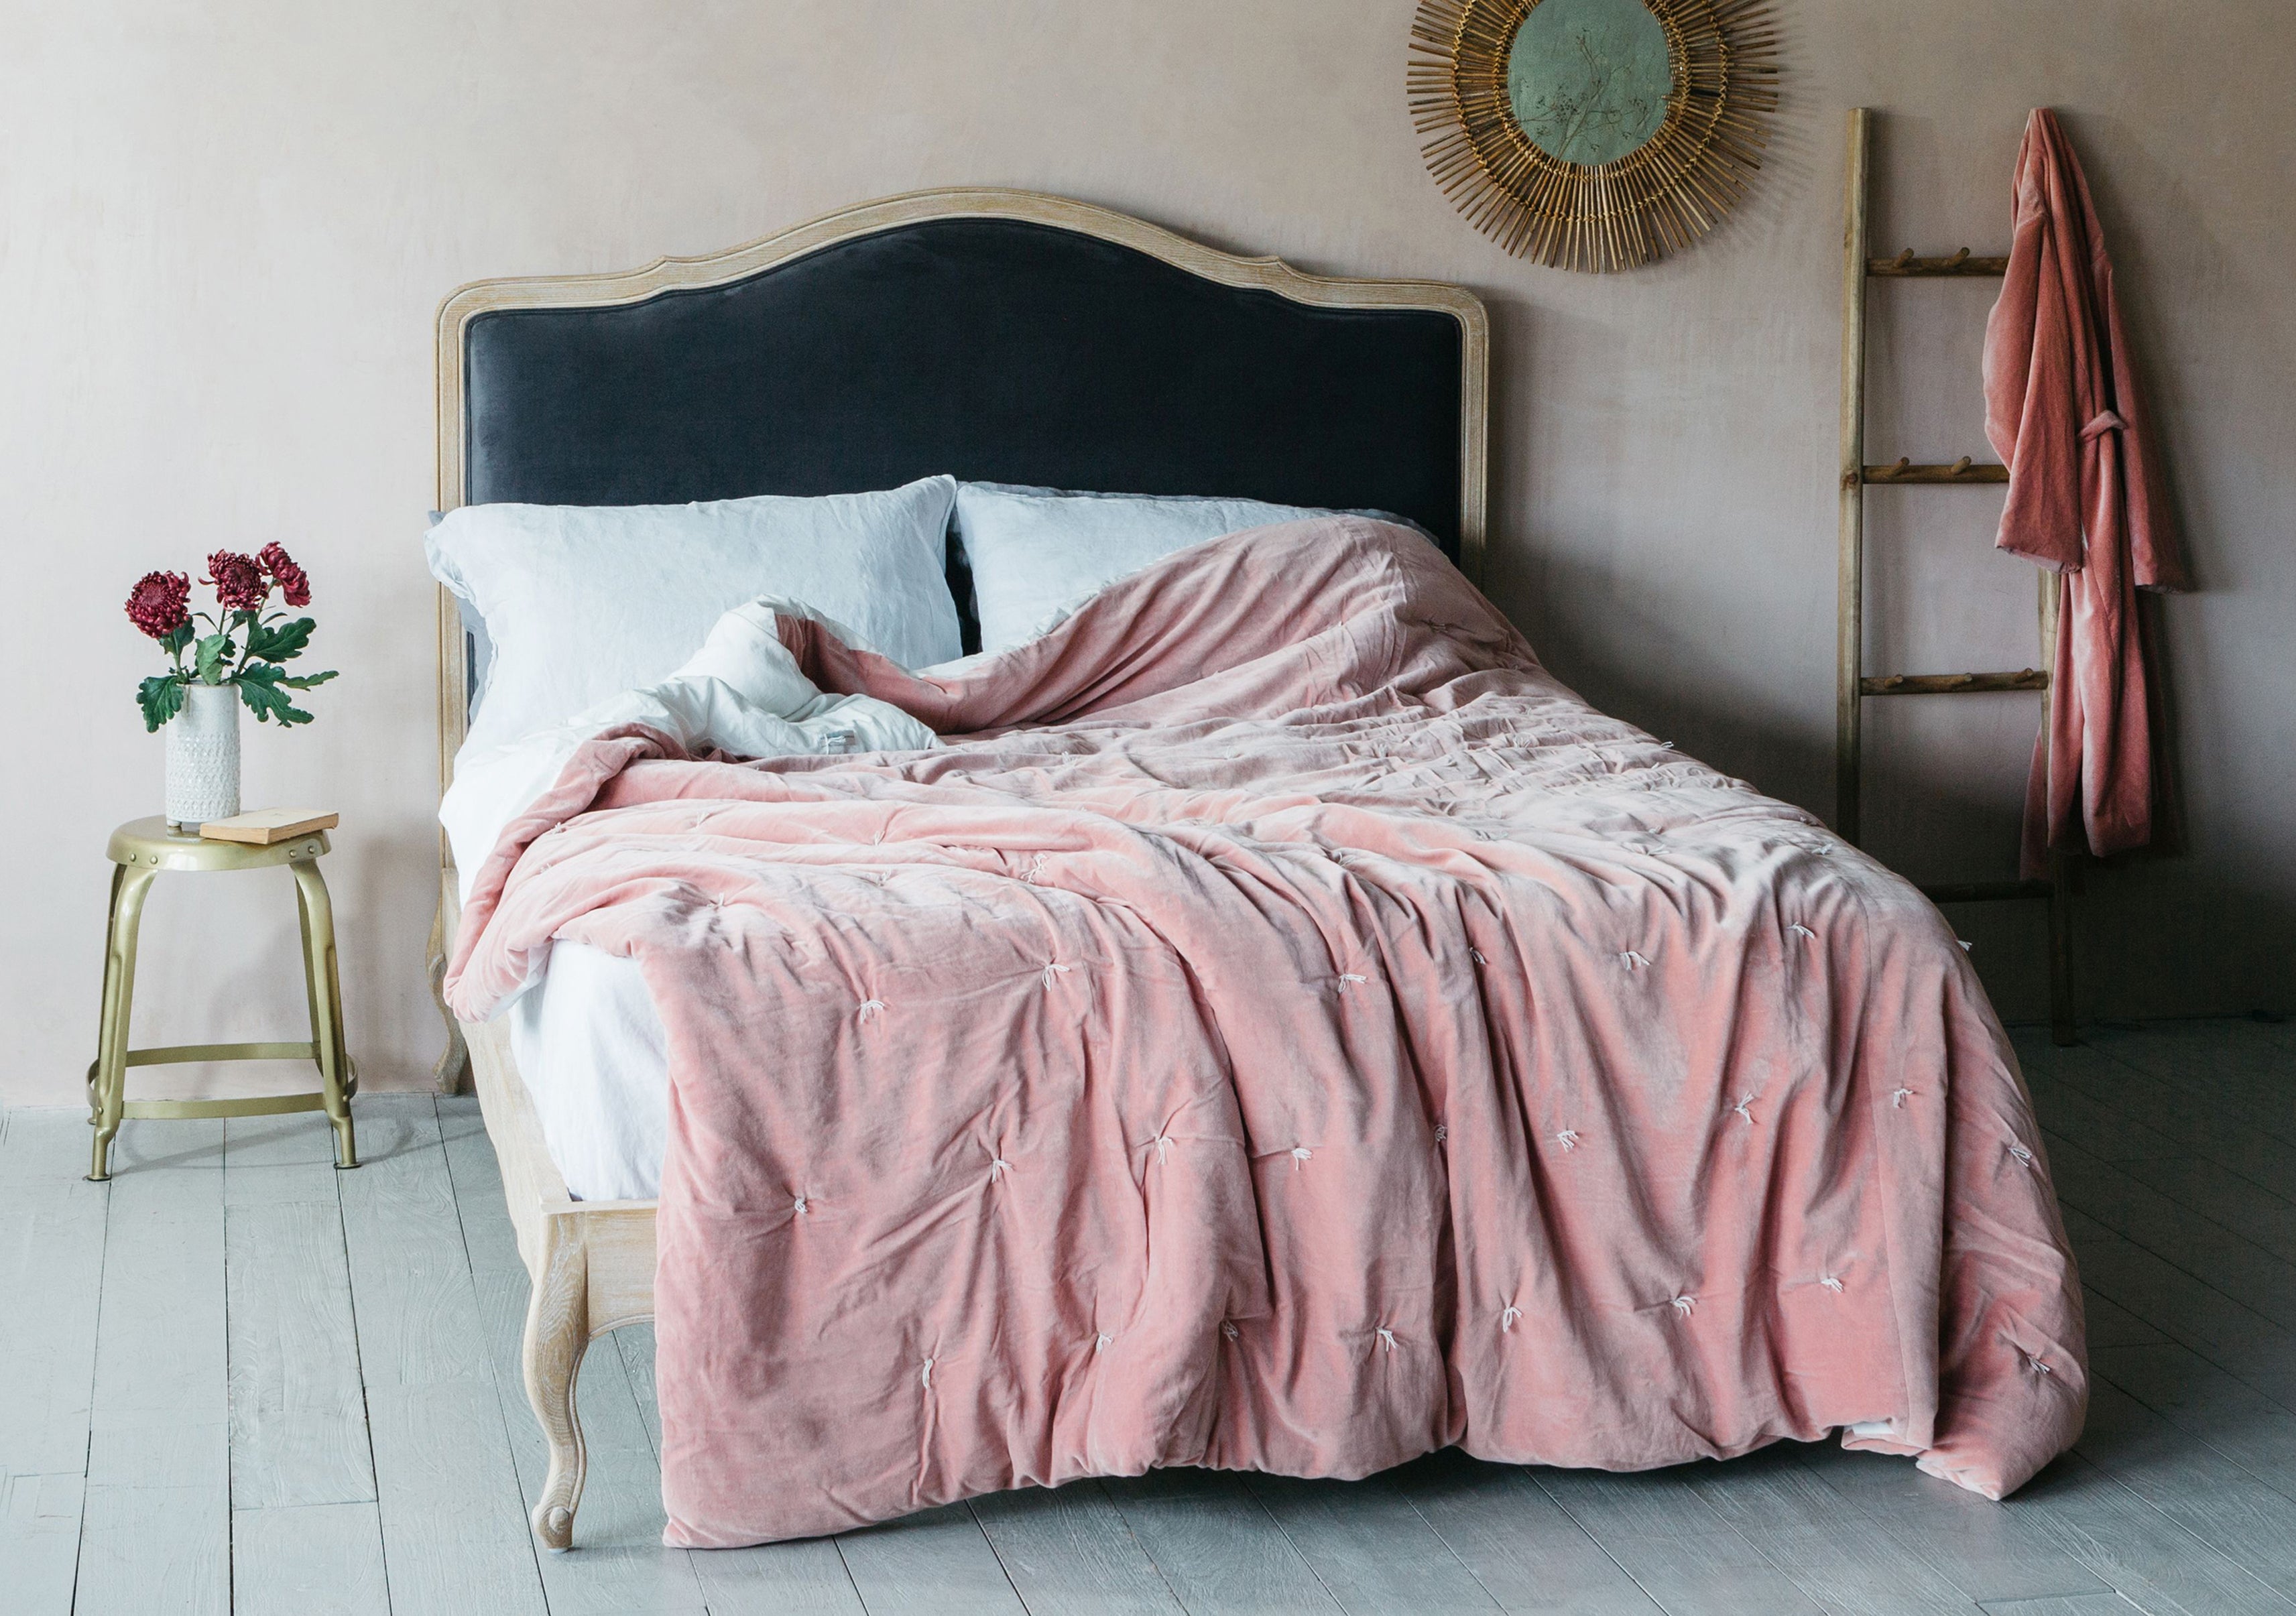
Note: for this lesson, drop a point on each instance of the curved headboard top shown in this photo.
(994, 335)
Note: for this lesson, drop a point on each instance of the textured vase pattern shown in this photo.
(203, 756)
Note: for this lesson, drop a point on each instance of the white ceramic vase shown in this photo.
(203, 756)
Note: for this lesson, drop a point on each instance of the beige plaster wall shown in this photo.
(223, 228)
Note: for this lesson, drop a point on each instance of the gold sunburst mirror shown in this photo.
(1594, 135)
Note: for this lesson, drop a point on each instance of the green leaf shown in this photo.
(177, 637)
(276, 642)
(209, 658)
(304, 681)
(258, 687)
(161, 698)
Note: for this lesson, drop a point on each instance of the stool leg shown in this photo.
(323, 989)
(104, 1015)
(348, 1069)
(108, 1078)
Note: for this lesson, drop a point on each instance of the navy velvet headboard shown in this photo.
(993, 349)
(993, 335)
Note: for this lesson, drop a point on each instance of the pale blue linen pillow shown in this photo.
(1038, 553)
(581, 603)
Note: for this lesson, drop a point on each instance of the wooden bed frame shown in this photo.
(593, 1261)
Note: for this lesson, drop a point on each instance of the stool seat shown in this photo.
(153, 844)
(143, 848)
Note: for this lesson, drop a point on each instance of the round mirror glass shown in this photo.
(1588, 79)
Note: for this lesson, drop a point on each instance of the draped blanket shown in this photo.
(1282, 1028)
(2085, 500)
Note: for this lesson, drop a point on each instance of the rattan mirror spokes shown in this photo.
(1594, 135)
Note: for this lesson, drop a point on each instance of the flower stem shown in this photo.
(247, 647)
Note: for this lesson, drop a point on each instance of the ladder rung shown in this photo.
(1959, 263)
(1985, 891)
(1964, 469)
(1951, 683)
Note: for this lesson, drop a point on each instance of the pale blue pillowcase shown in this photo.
(1038, 553)
(477, 650)
(578, 603)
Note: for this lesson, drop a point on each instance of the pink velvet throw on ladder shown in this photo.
(2085, 500)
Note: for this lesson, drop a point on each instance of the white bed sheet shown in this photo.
(596, 1064)
(583, 1031)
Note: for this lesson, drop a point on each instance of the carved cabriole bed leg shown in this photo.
(591, 1262)
(557, 1334)
(453, 1070)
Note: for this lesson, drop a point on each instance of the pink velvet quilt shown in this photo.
(1284, 1029)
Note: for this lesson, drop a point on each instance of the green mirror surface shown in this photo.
(1588, 79)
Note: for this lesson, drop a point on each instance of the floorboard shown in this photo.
(2190, 1483)
(51, 1239)
(2111, 1325)
(2074, 1113)
(1522, 1546)
(2141, 1552)
(1216, 1548)
(51, 1256)
(1825, 1543)
(621, 1568)
(298, 1406)
(2219, 1127)
(249, 1383)
(2244, 1063)
(2209, 1405)
(454, 1528)
(311, 1560)
(804, 1579)
(2066, 1605)
(2248, 1209)
(1990, 1553)
(1368, 1544)
(1069, 1552)
(1666, 1537)
(144, 1549)
(2234, 1337)
(935, 1563)
(39, 1540)
(2207, 1250)
(410, 1269)
(157, 1514)
(635, 1344)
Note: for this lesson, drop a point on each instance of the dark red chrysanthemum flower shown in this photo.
(239, 582)
(294, 583)
(158, 603)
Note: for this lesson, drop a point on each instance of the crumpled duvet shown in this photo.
(1282, 1028)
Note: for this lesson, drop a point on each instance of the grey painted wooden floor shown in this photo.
(234, 1380)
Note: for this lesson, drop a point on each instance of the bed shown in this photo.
(1045, 343)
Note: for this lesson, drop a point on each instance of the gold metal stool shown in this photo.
(141, 849)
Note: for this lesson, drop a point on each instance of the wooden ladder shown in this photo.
(1854, 683)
